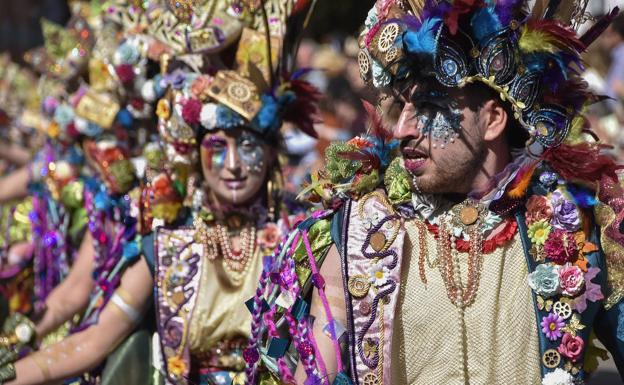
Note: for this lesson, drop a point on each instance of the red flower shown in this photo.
(125, 72)
(560, 246)
(137, 104)
(191, 111)
(571, 347)
(538, 208)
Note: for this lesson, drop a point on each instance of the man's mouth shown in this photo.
(414, 159)
(234, 183)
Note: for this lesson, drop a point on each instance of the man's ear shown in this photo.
(494, 120)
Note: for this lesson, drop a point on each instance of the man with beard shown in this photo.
(481, 241)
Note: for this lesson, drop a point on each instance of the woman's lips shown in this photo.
(234, 184)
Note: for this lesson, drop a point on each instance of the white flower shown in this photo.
(148, 93)
(181, 268)
(82, 125)
(63, 170)
(558, 377)
(381, 77)
(208, 116)
(378, 274)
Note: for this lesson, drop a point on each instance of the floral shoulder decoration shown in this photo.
(564, 281)
(353, 168)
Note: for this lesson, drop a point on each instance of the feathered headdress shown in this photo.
(530, 56)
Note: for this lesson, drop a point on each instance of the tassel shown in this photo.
(521, 182)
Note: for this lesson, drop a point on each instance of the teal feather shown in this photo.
(485, 23)
(423, 40)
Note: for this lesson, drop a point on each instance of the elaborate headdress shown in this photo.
(531, 57)
(257, 89)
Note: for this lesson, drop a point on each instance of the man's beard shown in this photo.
(451, 174)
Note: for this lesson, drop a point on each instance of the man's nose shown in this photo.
(407, 125)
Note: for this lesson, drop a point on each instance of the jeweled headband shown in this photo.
(532, 58)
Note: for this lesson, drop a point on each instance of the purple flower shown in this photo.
(551, 326)
(592, 291)
(565, 213)
(176, 79)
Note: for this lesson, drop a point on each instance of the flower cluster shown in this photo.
(196, 107)
(562, 280)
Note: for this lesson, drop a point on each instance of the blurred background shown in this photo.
(330, 48)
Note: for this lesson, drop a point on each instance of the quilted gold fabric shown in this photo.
(501, 334)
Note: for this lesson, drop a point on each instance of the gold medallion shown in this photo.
(551, 358)
(378, 241)
(358, 286)
(468, 215)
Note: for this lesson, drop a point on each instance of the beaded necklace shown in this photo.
(216, 242)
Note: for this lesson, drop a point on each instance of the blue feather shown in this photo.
(423, 40)
(485, 23)
(582, 197)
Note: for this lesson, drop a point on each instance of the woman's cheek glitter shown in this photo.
(253, 159)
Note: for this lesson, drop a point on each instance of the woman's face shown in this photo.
(235, 164)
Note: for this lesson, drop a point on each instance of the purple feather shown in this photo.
(507, 10)
(410, 21)
(440, 9)
(599, 27)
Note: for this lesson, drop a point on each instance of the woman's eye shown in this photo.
(247, 145)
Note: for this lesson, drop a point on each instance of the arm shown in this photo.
(331, 272)
(72, 295)
(86, 349)
(14, 185)
(14, 154)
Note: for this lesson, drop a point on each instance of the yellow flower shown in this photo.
(538, 232)
(162, 109)
(176, 366)
(53, 130)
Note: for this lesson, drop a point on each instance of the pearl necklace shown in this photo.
(216, 240)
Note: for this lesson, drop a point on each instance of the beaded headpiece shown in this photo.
(530, 56)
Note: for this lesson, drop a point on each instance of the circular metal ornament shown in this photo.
(388, 36)
(392, 54)
(371, 379)
(551, 358)
(239, 91)
(358, 286)
(469, 215)
(364, 64)
(562, 309)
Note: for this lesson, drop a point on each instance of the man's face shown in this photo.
(235, 164)
(441, 138)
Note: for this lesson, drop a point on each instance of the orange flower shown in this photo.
(360, 143)
(176, 366)
(53, 130)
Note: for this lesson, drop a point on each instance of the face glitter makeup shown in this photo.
(251, 152)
